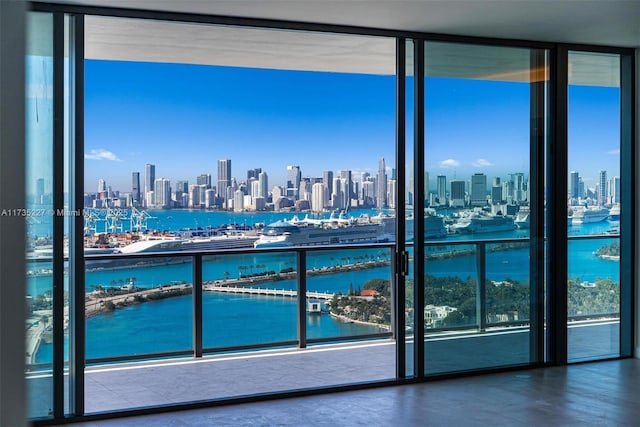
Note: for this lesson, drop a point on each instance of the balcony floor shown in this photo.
(127, 386)
(592, 394)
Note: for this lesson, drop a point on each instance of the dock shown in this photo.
(268, 292)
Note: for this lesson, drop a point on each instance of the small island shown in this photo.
(609, 252)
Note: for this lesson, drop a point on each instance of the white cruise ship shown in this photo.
(332, 231)
(588, 215)
(483, 223)
(614, 213)
(166, 244)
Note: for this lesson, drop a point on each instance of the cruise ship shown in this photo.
(588, 215)
(483, 223)
(614, 213)
(331, 231)
(167, 244)
(522, 219)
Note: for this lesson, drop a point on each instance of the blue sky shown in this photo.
(183, 118)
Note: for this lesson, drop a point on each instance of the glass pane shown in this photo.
(478, 115)
(353, 290)
(409, 302)
(594, 206)
(250, 138)
(138, 306)
(39, 184)
(249, 299)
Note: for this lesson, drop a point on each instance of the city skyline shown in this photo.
(190, 116)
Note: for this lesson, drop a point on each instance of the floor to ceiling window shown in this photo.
(478, 137)
(218, 211)
(250, 138)
(594, 203)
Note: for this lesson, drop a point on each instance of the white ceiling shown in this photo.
(601, 22)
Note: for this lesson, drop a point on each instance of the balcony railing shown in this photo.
(299, 267)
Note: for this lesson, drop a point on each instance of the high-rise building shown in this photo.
(574, 185)
(204, 179)
(318, 197)
(327, 178)
(135, 188)
(391, 194)
(345, 175)
(337, 197)
(457, 193)
(614, 190)
(162, 193)
(194, 196)
(427, 190)
(478, 196)
(305, 189)
(519, 187)
(224, 180)
(369, 192)
(149, 179)
(253, 173)
(441, 188)
(293, 181)
(255, 188)
(381, 180)
(102, 186)
(602, 188)
(263, 181)
(238, 201)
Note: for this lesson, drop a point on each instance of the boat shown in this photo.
(166, 244)
(614, 213)
(332, 231)
(434, 227)
(522, 219)
(483, 223)
(589, 215)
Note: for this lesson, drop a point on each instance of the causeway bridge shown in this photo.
(264, 291)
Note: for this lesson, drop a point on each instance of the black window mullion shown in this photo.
(556, 192)
(537, 85)
(58, 219)
(628, 201)
(77, 341)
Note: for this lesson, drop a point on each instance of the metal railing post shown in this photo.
(301, 259)
(481, 287)
(197, 305)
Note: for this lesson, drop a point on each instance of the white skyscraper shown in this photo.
(318, 197)
(238, 201)
(162, 193)
(263, 181)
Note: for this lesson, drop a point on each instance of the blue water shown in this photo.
(230, 320)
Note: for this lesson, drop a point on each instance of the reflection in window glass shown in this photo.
(478, 111)
(594, 206)
(39, 197)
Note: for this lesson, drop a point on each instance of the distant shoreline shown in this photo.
(360, 322)
(96, 303)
